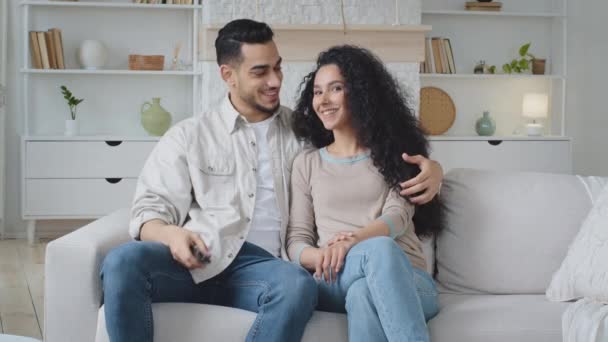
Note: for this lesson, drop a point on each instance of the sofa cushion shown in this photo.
(185, 322)
(584, 272)
(507, 232)
(497, 318)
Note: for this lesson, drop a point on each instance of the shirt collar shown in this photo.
(230, 116)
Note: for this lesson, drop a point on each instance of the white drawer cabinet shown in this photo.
(79, 179)
(85, 159)
(542, 155)
(86, 198)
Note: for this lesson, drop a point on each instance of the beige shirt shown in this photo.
(202, 175)
(330, 195)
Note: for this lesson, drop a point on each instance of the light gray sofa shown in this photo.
(506, 235)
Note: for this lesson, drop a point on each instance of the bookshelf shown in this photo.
(91, 174)
(496, 37)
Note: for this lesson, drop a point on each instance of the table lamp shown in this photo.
(535, 106)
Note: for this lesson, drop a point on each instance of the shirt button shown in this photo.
(248, 219)
(253, 143)
(209, 168)
(250, 195)
(241, 237)
(230, 255)
(254, 169)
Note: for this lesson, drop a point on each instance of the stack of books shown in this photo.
(483, 6)
(439, 58)
(47, 49)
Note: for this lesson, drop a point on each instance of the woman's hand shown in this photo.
(426, 184)
(330, 259)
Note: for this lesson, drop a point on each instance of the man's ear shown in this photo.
(228, 74)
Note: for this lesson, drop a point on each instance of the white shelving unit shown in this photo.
(496, 37)
(94, 173)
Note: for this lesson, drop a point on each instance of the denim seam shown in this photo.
(260, 314)
(148, 307)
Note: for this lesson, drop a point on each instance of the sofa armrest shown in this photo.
(72, 285)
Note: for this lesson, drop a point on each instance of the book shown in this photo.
(444, 57)
(44, 52)
(50, 45)
(35, 51)
(450, 55)
(435, 42)
(58, 41)
(431, 57)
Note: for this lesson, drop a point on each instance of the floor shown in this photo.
(21, 287)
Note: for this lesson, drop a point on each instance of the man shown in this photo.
(219, 182)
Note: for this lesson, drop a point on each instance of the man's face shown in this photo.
(257, 79)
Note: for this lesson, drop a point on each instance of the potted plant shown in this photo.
(71, 125)
(523, 63)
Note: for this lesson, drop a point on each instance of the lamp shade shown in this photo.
(535, 105)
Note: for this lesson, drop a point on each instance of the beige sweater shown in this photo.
(329, 195)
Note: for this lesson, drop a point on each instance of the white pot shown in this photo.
(92, 54)
(71, 127)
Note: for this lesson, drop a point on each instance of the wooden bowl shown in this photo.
(146, 62)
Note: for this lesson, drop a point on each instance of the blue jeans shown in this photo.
(138, 273)
(385, 298)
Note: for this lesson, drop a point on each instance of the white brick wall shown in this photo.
(372, 12)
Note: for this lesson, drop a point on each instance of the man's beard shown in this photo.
(250, 100)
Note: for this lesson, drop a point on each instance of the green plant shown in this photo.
(521, 64)
(72, 101)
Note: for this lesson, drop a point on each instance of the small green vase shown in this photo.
(154, 118)
(485, 125)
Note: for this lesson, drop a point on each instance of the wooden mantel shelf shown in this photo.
(302, 43)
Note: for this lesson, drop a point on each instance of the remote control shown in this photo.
(205, 259)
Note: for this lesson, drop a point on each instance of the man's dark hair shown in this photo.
(234, 34)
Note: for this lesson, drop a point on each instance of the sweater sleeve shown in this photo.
(301, 231)
(397, 213)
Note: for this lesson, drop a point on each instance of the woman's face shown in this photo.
(329, 98)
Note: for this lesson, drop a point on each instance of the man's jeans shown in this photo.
(385, 297)
(137, 274)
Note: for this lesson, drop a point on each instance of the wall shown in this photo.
(587, 75)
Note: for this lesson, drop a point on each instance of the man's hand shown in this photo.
(427, 182)
(180, 240)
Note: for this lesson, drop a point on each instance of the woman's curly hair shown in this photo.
(381, 117)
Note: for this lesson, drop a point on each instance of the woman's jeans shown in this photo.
(137, 274)
(386, 299)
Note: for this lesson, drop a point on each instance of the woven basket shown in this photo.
(437, 111)
(146, 62)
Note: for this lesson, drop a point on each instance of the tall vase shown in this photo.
(485, 125)
(154, 118)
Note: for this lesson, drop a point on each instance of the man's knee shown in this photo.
(301, 288)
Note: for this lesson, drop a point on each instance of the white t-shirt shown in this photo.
(266, 221)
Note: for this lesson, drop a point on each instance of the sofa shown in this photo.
(506, 233)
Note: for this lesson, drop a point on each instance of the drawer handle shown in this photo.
(494, 142)
(113, 142)
(113, 180)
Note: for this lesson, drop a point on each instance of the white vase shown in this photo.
(92, 54)
(71, 127)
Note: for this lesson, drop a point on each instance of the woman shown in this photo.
(348, 223)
